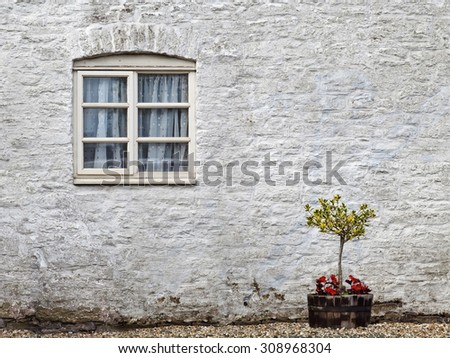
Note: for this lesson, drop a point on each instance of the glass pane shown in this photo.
(162, 88)
(163, 122)
(105, 89)
(105, 155)
(163, 157)
(105, 122)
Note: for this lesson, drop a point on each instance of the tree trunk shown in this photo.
(340, 276)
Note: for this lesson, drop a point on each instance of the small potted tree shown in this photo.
(335, 305)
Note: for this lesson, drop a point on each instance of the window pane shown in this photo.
(105, 122)
(163, 122)
(162, 88)
(105, 89)
(163, 157)
(105, 155)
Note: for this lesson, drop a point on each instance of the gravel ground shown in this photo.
(266, 330)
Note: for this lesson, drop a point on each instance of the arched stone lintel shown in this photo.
(135, 38)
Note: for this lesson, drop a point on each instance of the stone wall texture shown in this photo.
(367, 81)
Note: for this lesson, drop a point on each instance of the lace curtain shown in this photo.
(162, 122)
(105, 122)
(154, 122)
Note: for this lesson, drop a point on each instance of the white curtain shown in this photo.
(162, 122)
(104, 122)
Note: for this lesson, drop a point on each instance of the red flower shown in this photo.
(331, 286)
(330, 291)
(334, 280)
(357, 287)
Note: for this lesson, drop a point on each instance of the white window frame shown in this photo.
(130, 66)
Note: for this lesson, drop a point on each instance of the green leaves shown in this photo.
(333, 217)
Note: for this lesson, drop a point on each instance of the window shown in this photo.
(134, 120)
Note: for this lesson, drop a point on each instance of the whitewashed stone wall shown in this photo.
(367, 80)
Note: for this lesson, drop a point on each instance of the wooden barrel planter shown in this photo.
(347, 311)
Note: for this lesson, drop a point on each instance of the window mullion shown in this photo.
(132, 124)
(163, 105)
(163, 139)
(104, 105)
(105, 140)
